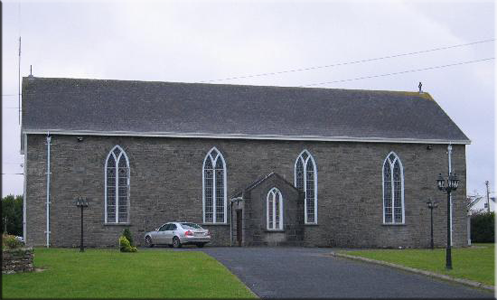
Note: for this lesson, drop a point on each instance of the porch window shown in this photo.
(306, 182)
(274, 210)
(214, 187)
(393, 190)
(117, 186)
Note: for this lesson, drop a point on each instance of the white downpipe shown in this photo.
(449, 150)
(231, 223)
(49, 139)
(25, 169)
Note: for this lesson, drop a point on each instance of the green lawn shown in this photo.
(98, 273)
(474, 263)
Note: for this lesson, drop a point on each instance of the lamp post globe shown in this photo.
(440, 182)
(454, 181)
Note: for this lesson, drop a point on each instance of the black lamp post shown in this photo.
(81, 203)
(448, 185)
(432, 205)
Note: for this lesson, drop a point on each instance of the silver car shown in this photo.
(176, 234)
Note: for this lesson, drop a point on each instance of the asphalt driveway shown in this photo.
(309, 273)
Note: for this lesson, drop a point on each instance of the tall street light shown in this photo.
(81, 203)
(432, 205)
(448, 185)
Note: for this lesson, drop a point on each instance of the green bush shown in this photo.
(11, 242)
(127, 234)
(482, 227)
(125, 246)
(12, 214)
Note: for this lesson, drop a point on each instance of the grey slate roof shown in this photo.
(214, 110)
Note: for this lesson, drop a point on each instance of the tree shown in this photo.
(12, 214)
(482, 227)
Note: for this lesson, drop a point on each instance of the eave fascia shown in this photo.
(249, 137)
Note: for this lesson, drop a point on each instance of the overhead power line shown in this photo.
(349, 62)
(313, 84)
(401, 72)
(327, 82)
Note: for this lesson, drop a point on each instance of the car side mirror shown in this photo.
(156, 229)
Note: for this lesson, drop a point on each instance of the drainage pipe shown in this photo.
(25, 171)
(231, 222)
(449, 151)
(49, 139)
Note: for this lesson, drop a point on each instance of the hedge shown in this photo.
(482, 227)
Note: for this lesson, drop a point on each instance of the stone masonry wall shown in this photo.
(166, 185)
(17, 260)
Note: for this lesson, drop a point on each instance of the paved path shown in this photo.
(308, 273)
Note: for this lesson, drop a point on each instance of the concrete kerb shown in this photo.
(417, 271)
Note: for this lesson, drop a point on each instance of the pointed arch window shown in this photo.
(393, 190)
(214, 187)
(117, 186)
(274, 209)
(306, 182)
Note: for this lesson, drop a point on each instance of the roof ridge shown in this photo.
(407, 93)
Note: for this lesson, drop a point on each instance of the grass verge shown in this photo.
(474, 263)
(98, 273)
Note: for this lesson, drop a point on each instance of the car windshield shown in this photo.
(190, 226)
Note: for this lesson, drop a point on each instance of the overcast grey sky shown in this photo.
(191, 41)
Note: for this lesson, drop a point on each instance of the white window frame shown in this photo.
(116, 184)
(309, 158)
(214, 161)
(274, 192)
(392, 186)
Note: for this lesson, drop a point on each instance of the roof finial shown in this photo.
(420, 85)
(30, 70)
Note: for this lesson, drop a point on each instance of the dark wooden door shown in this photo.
(239, 227)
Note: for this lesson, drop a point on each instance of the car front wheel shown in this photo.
(176, 242)
(148, 241)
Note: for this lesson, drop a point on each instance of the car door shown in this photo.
(170, 233)
(161, 234)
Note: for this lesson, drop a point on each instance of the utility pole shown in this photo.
(488, 197)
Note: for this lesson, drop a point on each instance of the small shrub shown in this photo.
(11, 242)
(127, 234)
(125, 246)
(123, 243)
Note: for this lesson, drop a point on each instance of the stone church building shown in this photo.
(256, 165)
